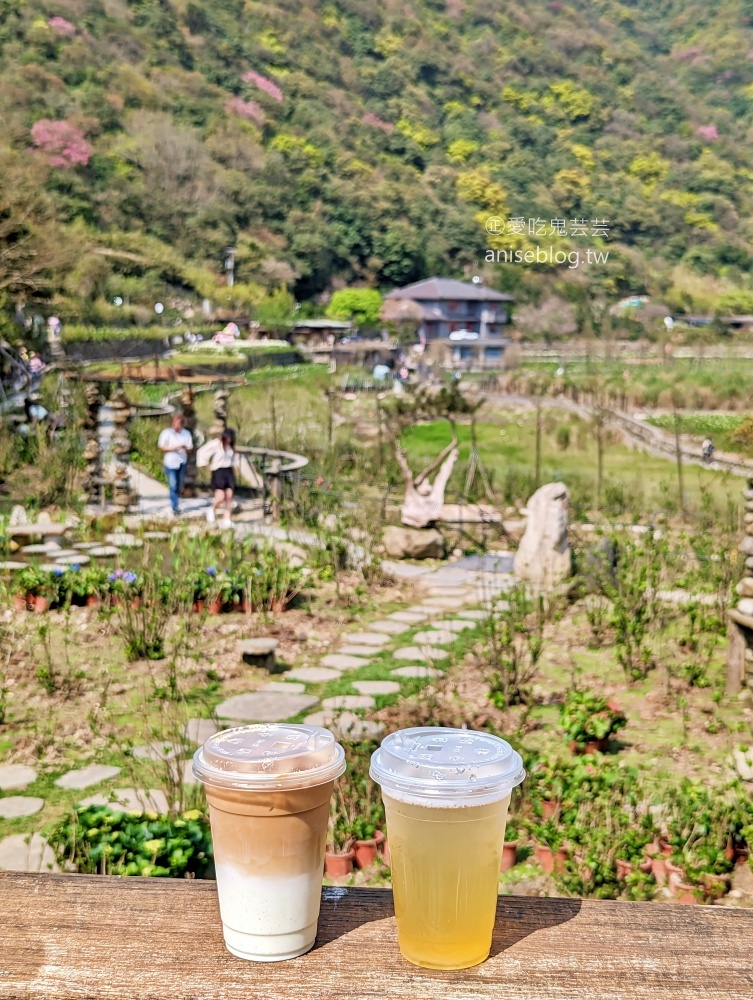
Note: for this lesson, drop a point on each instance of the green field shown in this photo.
(636, 483)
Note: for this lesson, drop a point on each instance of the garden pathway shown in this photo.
(372, 662)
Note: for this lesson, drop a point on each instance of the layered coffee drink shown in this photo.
(268, 789)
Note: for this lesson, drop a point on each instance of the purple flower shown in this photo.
(58, 572)
(76, 566)
(129, 577)
(211, 571)
(112, 577)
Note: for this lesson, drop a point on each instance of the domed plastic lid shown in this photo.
(268, 756)
(436, 763)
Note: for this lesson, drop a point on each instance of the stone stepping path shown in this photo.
(449, 593)
(346, 725)
(10, 566)
(42, 548)
(414, 617)
(336, 661)
(416, 672)
(104, 551)
(14, 806)
(76, 559)
(442, 603)
(131, 800)
(453, 625)
(84, 777)
(85, 546)
(352, 650)
(432, 612)
(16, 776)
(389, 627)
(439, 637)
(157, 535)
(376, 687)
(316, 675)
(349, 701)
(198, 731)
(21, 853)
(473, 615)
(366, 638)
(157, 751)
(266, 706)
(285, 687)
(421, 654)
(123, 540)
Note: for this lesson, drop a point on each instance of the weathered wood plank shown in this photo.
(68, 937)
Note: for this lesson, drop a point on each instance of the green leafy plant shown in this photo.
(98, 840)
(588, 717)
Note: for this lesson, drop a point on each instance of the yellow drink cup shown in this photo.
(446, 794)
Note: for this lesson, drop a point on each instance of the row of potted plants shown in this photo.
(604, 831)
(261, 583)
(355, 836)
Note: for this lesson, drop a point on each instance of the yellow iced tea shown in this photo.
(445, 879)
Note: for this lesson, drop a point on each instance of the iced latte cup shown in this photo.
(268, 788)
(446, 793)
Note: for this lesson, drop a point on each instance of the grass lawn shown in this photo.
(638, 483)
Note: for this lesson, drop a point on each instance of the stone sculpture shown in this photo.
(543, 557)
(423, 500)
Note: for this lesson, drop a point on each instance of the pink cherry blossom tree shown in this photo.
(707, 132)
(61, 27)
(63, 144)
(371, 119)
(249, 110)
(263, 84)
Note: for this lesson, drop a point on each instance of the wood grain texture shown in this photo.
(78, 936)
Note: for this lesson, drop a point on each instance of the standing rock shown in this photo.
(413, 543)
(543, 557)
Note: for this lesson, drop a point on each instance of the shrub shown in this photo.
(588, 717)
(96, 840)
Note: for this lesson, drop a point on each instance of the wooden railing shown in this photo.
(78, 936)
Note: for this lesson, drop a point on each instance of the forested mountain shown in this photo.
(356, 141)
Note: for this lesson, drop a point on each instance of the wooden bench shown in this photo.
(77, 936)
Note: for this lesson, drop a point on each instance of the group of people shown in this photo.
(175, 442)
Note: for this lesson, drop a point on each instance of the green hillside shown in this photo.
(362, 142)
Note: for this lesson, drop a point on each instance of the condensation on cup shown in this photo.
(446, 794)
(269, 788)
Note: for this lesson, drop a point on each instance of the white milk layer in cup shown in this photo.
(268, 787)
(446, 793)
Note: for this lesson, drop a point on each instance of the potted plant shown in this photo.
(202, 583)
(220, 592)
(589, 720)
(548, 847)
(509, 848)
(339, 853)
(125, 587)
(30, 582)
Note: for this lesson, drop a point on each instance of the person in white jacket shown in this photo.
(219, 455)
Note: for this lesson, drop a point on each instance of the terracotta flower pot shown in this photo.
(20, 602)
(384, 850)
(509, 855)
(623, 868)
(40, 604)
(198, 606)
(136, 604)
(338, 865)
(365, 852)
(244, 606)
(215, 607)
(92, 601)
(549, 808)
(550, 861)
(278, 606)
(593, 746)
(685, 894)
(659, 870)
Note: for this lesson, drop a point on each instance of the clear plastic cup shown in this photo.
(446, 793)
(268, 788)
